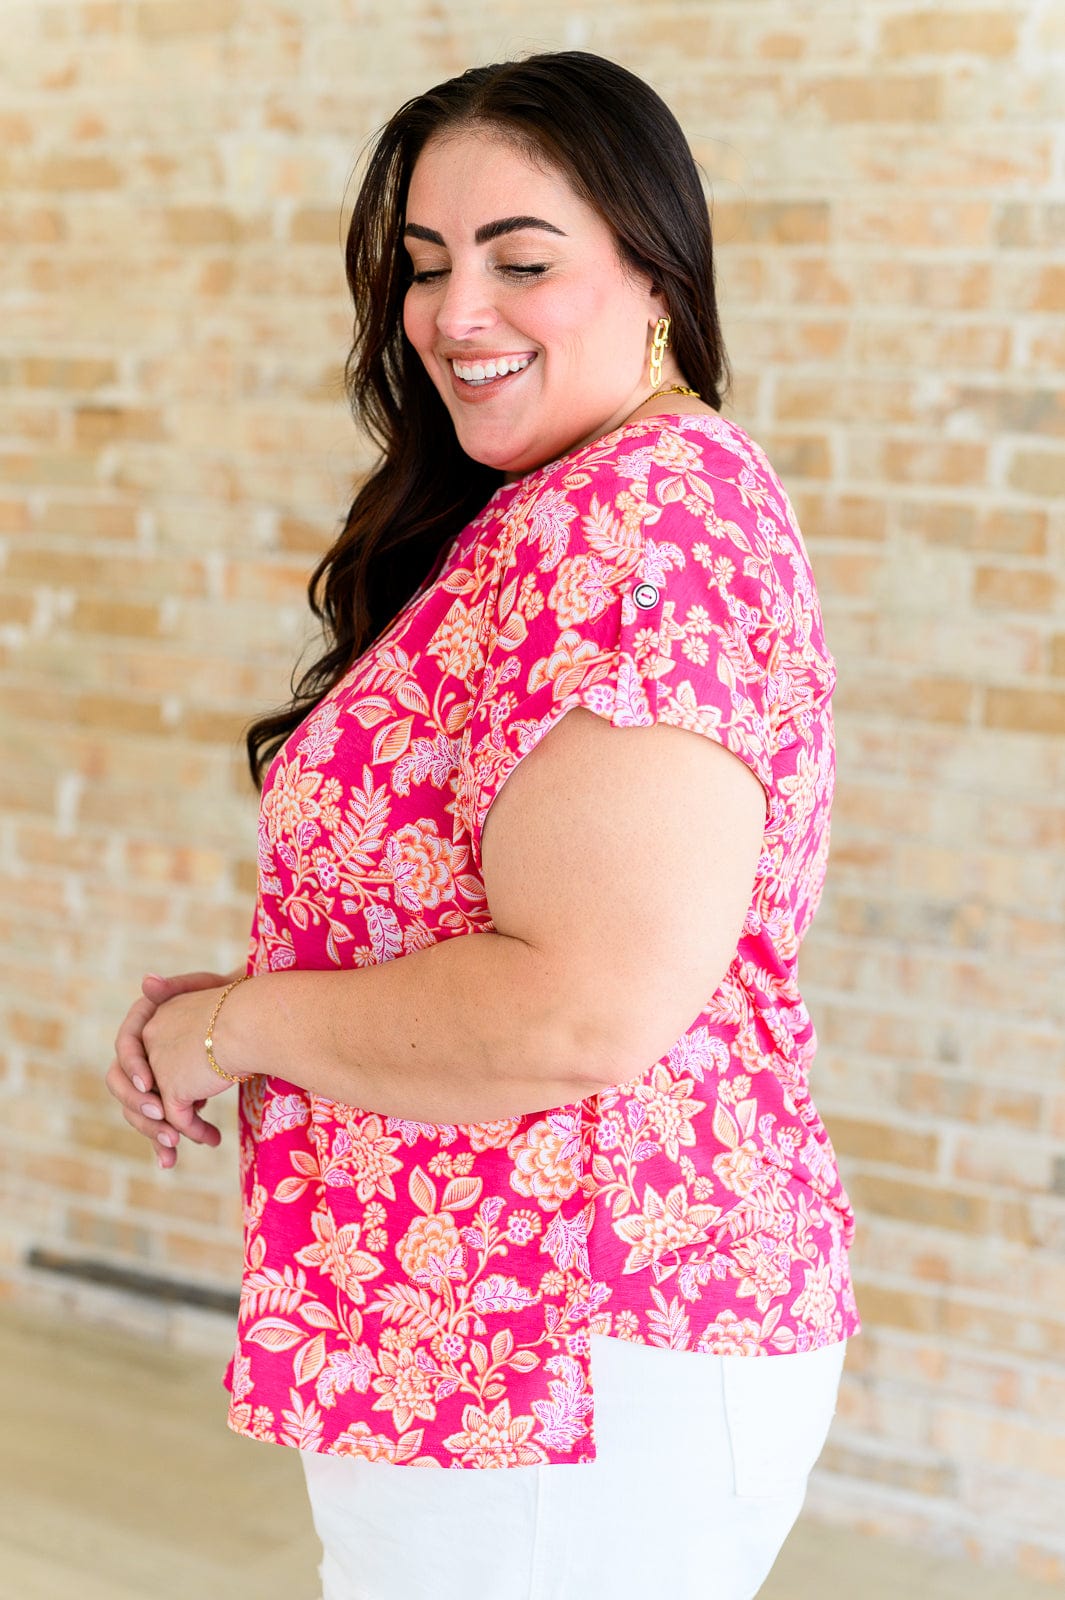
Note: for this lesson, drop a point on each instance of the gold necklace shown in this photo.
(669, 388)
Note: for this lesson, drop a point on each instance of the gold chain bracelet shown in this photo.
(208, 1043)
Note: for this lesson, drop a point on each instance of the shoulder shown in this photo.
(633, 461)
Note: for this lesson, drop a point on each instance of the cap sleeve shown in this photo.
(640, 588)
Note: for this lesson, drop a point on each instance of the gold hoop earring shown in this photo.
(659, 344)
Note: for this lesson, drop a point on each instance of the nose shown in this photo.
(465, 307)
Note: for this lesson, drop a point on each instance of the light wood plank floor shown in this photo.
(120, 1481)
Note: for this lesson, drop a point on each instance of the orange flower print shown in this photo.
(567, 665)
(489, 1135)
(664, 1225)
(422, 865)
(763, 1267)
(530, 597)
(495, 1439)
(731, 1335)
(366, 1151)
(338, 1256)
(543, 1158)
(455, 644)
(677, 453)
(404, 1388)
(581, 590)
(290, 800)
(740, 1169)
(431, 1250)
(670, 1109)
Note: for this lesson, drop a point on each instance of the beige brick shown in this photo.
(99, 1232)
(1040, 472)
(885, 1143)
(59, 372)
(64, 1173)
(316, 225)
(160, 1196)
(771, 222)
(954, 463)
(166, 19)
(840, 516)
(1014, 588)
(941, 32)
(99, 425)
(119, 714)
(1026, 710)
(933, 1207)
(877, 98)
(75, 172)
(115, 617)
(1057, 655)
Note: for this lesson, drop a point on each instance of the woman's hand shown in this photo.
(134, 1083)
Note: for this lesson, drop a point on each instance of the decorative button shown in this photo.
(645, 596)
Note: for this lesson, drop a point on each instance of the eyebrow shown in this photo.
(487, 230)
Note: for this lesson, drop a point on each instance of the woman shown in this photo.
(531, 1166)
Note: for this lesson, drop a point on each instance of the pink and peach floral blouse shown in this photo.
(424, 1294)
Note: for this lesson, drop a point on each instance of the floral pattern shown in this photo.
(424, 1294)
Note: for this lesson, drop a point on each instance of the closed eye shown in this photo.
(532, 271)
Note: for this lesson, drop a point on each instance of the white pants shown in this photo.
(700, 1474)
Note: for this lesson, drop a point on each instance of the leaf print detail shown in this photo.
(411, 1307)
(284, 1112)
(273, 1333)
(386, 938)
(669, 1325)
(725, 1129)
(344, 1371)
(562, 1417)
(371, 709)
(317, 1315)
(566, 1241)
(422, 1191)
(461, 1192)
(267, 1289)
(308, 1362)
(390, 743)
(631, 708)
(498, 1293)
(303, 1423)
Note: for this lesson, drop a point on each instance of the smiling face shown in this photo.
(535, 334)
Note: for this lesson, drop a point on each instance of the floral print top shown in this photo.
(424, 1294)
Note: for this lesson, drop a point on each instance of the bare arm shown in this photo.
(618, 866)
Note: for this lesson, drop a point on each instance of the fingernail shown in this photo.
(150, 1109)
(139, 1083)
(167, 1139)
(156, 975)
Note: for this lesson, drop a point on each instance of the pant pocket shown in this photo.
(779, 1410)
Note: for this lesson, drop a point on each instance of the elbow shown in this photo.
(603, 1057)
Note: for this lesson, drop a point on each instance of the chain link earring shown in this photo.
(659, 344)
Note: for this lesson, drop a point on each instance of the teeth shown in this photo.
(479, 372)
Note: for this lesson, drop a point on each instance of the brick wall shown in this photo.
(889, 183)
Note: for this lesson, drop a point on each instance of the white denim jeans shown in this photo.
(700, 1474)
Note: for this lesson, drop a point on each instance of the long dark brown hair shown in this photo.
(624, 154)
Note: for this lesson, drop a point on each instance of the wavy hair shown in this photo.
(623, 152)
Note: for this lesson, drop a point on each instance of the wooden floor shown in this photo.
(120, 1481)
